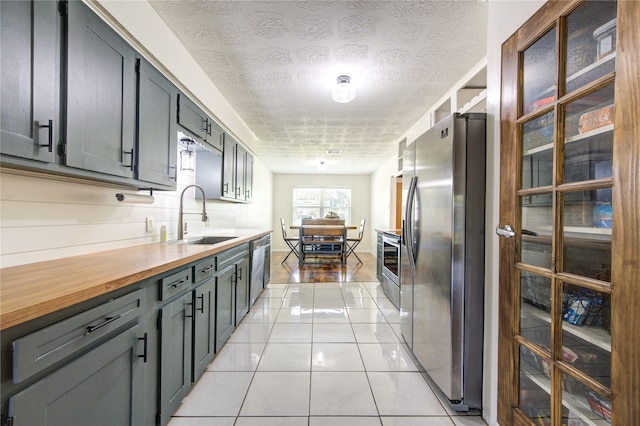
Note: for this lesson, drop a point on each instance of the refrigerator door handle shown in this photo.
(408, 222)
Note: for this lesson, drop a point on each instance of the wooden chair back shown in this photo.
(323, 222)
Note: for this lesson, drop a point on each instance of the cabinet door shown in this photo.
(215, 135)
(242, 289)
(225, 304)
(192, 118)
(103, 387)
(175, 354)
(248, 178)
(29, 74)
(100, 95)
(241, 165)
(157, 144)
(568, 268)
(229, 167)
(204, 329)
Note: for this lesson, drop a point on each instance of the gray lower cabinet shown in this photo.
(242, 289)
(156, 161)
(132, 358)
(101, 93)
(204, 319)
(102, 387)
(176, 333)
(29, 71)
(225, 305)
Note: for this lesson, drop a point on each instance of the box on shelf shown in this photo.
(599, 405)
(606, 39)
(595, 119)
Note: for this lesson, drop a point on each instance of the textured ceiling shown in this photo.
(275, 62)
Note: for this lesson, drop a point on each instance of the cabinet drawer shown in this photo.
(175, 283)
(43, 348)
(204, 269)
(231, 256)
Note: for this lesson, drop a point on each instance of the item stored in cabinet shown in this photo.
(606, 39)
(596, 119)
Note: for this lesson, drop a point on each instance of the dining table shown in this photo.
(323, 247)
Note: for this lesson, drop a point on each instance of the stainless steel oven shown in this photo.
(391, 267)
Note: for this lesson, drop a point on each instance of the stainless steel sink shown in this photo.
(205, 240)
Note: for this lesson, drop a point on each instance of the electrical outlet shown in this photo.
(149, 223)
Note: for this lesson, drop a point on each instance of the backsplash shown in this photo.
(45, 218)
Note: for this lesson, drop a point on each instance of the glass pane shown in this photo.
(587, 234)
(591, 43)
(535, 305)
(537, 152)
(539, 73)
(535, 400)
(536, 230)
(586, 331)
(588, 407)
(588, 144)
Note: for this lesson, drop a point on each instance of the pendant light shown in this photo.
(344, 91)
(187, 157)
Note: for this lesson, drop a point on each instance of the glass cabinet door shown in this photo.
(565, 126)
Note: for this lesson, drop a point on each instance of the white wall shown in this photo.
(44, 218)
(381, 198)
(505, 17)
(283, 185)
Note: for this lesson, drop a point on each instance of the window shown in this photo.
(320, 203)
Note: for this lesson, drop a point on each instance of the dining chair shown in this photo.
(352, 242)
(322, 222)
(292, 242)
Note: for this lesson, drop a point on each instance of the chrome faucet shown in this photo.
(181, 224)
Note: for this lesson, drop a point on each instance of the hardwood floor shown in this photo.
(290, 272)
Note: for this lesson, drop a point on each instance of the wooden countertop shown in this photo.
(36, 289)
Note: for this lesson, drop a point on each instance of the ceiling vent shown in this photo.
(334, 152)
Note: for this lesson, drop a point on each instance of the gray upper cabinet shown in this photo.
(248, 177)
(237, 171)
(241, 162)
(192, 118)
(157, 144)
(109, 379)
(229, 168)
(29, 36)
(197, 124)
(101, 93)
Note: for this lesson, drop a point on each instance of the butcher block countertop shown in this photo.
(36, 289)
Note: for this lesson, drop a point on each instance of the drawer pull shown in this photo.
(144, 355)
(207, 269)
(107, 320)
(201, 308)
(180, 283)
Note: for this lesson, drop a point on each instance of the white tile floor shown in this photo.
(315, 355)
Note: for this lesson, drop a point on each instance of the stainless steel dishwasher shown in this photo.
(260, 266)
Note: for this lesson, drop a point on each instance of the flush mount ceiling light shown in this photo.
(344, 91)
(187, 157)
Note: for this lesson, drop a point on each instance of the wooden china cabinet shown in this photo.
(569, 338)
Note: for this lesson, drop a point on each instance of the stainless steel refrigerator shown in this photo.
(442, 255)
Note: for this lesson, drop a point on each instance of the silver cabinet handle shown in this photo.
(505, 231)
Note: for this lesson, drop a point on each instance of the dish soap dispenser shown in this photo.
(163, 234)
